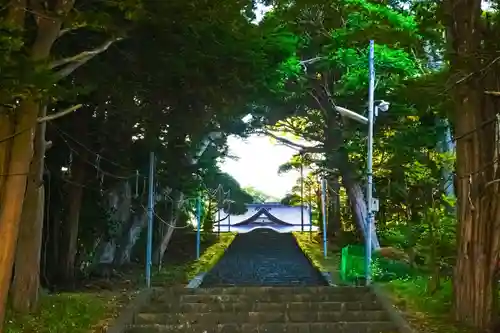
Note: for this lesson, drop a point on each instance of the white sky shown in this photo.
(258, 163)
(260, 11)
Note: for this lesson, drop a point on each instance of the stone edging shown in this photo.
(196, 281)
(394, 314)
(126, 316)
(328, 277)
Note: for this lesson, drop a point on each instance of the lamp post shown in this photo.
(371, 204)
(310, 211)
(302, 191)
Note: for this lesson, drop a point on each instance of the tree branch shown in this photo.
(320, 105)
(59, 114)
(74, 62)
(291, 144)
(288, 127)
(311, 61)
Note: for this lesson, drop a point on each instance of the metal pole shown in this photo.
(323, 209)
(228, 211)
(198, 229)
(136, 183)
(369, 186)
(310, 212)
(149, 245)
(302, 194)
(219, 205)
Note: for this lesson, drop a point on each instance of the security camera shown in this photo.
(383, 105)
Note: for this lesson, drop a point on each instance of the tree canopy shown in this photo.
(89, 89)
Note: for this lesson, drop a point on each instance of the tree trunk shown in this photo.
(431, 219)
(131, 236)
(21, 153)
(119, 208)
(170, 231)
(26, 283)
(333, 140)
(356, 197)
(319, 204)
(71, 225)
(6, 131)
(476, 133)
(334, 223)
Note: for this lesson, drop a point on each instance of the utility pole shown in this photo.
(323, 209)
(369, 185)
(310, 211)
(219, 205)
(150, 219)
(228, 210)
(198, 229)
(302, 191)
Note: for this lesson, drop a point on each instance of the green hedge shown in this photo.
(352, 266)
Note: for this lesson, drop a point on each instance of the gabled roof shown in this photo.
(262, 211)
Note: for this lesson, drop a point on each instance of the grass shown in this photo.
(425, 312)
(429, 313)
(313, 249)
(91, 312)
(173, 274)
(68, 313)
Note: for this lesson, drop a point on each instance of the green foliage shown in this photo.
(382, 269)
(259, 196)
(187, 70)
(426, 310)
(61, 313)
(314, 252)
(181, 274)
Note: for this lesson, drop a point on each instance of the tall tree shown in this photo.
(331, 69)
(23, 138)
(473, 40)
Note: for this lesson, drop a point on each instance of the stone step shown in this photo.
(214, 318)
(281, 290)
(176, 307)
(346, 327)
(274, 297)
(274, 290)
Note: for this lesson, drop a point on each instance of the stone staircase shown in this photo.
(263, 309)
(263, 258)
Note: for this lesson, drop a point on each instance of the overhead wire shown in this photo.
(100, 172)
(100, 156)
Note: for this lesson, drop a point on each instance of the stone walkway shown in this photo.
(264, 258)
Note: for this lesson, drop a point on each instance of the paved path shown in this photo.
(263, 258)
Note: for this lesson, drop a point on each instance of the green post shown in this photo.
(343, 264)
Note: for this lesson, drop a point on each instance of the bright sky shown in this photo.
(261, 11)
(258, 163)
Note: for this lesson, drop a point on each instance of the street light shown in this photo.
(381, 105)
(373, 108)
(302, 190)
